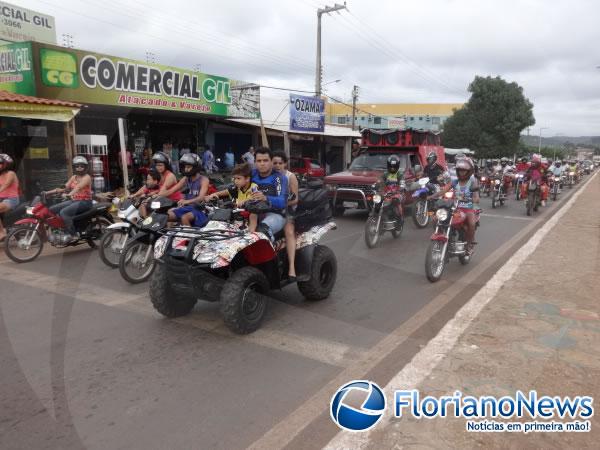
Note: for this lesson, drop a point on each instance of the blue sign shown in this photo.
(307, 113)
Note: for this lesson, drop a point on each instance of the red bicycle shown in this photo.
(26, 239)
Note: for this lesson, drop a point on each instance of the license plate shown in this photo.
(350, 204)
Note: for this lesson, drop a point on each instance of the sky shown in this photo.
(395, 51)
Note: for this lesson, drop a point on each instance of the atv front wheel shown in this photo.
(322, 275)
(243, 300)
(164, 299)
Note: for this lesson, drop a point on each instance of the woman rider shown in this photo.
(167, 178)
(9, 189)
(466, 188)
(280, 161)
(79, 188)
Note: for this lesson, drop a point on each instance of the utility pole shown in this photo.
(354, 98)
(540, 141)
(319, 68)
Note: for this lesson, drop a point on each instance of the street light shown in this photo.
(540, 143)
(330, 82)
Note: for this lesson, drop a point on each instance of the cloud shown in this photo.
(395, 51)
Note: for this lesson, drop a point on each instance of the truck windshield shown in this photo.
(376, 161)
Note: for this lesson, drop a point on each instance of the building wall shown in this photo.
(418, 115)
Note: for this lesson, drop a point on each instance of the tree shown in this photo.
(491, 121)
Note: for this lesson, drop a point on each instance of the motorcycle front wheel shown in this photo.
(435, 261)
(372, 231)
(136, 263)
(23, 244)
(111, 246)
(420, 214)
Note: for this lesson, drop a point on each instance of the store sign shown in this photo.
(86, 77)
(16, 69)
(396, 122)
(19, 24)
(307, 113)
(37, 153)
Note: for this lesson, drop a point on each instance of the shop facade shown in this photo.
(160, 107)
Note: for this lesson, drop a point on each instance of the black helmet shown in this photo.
(524, 159)
(162, 158)
(432, 157)
(80, 161)
(190, 159)
(393, 164)
(464, 164)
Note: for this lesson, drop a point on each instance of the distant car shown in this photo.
(307, 167)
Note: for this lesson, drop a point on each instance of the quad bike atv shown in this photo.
(224, 262)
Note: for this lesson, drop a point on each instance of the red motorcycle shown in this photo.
(448, 239)
(486, 185)
(26, 239)
(386, 215)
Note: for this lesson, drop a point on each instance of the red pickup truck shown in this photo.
(352, 188)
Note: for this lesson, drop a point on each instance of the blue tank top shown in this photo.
(464, 194)
(193, 187)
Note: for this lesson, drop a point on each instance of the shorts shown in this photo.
(200, 219)
(12, 202)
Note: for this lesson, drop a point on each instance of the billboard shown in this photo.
(19, 24)
(16, 69)
(87, 77)
(307, 113)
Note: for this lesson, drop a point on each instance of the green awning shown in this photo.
(37, 111)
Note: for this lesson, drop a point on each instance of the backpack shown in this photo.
(314, 208)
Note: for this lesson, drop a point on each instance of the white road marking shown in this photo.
(438, 348)
(497, 216)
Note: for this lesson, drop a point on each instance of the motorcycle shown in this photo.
(570, 178)
(25, 241)
(384, 215)
(136, 260)
(422, 209)
(518, 183)
(486, 185)
(448, 239)
(499, 195)
(554, 184)
(533, 200)
(116, 236)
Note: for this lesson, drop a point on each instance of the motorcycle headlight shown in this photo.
(160, 246)
(121, 214)
(155, 205)
(571, 173)
(497, 182)
(441, 214)
(377, 198)
(29, 210)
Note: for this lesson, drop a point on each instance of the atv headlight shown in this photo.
(204, 258)
(377, 198)
(160, 246)
(155, 205)
(441, 214)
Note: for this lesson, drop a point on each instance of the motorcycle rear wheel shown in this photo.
(97, 227)
(397, 232)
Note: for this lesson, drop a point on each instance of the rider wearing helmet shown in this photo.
(162, 164)
(466, 188)
(537, 173)
(196, 187)
(9, 189)
(433, 170)
(394, 177)
(79, 189)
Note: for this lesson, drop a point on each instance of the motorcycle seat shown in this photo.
(93, 211)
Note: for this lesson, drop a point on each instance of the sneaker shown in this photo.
(543, 202)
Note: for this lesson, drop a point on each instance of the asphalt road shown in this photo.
(85, 362)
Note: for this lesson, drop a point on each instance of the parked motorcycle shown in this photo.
(136, 261)
(448, 240)
(386, 215)
(26, 239)
(116, 236)
(422, 209)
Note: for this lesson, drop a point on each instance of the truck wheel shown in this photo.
(164, 299)
(322, 275)
(243, 300)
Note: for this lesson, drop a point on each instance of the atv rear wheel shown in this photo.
(322, 275)
(243, 300)
(164, 299)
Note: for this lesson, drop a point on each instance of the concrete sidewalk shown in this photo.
(540, 331)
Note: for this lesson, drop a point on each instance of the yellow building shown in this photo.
(427, 116)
